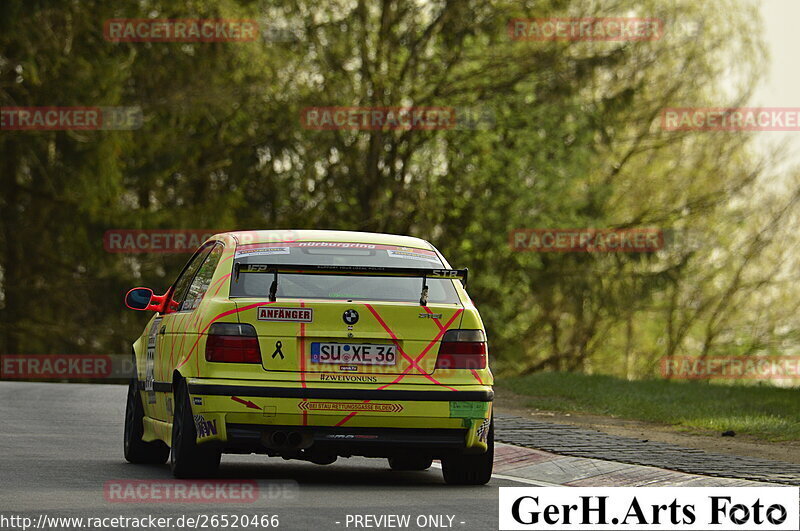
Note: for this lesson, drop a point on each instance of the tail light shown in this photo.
(232, 343)
(462, 349)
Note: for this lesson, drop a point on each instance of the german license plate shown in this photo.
(353, 353)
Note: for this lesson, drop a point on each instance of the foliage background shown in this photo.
(575, 142)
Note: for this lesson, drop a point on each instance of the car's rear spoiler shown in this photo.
(369, 271)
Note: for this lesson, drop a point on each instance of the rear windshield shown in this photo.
(341, 286)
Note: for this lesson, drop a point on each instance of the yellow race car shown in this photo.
(312, 345)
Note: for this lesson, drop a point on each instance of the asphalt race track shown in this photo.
(61, 443)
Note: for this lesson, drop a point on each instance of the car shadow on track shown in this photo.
(378, 474)
(365, 473)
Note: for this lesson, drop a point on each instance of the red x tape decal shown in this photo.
(413, 362)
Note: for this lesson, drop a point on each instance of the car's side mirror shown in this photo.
(144, 299)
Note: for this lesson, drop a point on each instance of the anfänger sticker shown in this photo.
(298, 315)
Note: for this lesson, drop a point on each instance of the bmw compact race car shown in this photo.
(321, 345)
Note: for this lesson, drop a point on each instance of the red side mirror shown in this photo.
(144, 299)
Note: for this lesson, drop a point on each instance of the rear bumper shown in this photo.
(481, 395)
(351, 420)
(341, 441)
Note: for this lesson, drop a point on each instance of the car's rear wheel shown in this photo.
(410, 462)
(137, 450)
(187, 459)
(470, 469)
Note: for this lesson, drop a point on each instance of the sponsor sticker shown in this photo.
(413, 255)
(347, 378)
(261, 251)
(340, 245)
(640, 508)
(470, 410)
(205, 428)
(289, 243)
(483, 430)
(295, 315)
(351, 406)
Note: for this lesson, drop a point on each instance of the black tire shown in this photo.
(187, 459)
(410, 462)
(470, 469)
(136, 450)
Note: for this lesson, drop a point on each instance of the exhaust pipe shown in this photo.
(278, 438)
(282, 439)
(286, 440)
(294, 439)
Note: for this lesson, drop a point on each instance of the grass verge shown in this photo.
(766, 412)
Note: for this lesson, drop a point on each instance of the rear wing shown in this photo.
(368, 271)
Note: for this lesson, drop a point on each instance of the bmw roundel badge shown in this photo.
(350, 317)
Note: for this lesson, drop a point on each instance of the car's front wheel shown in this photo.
(137, 450)
(187, 459)
(470, 469)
